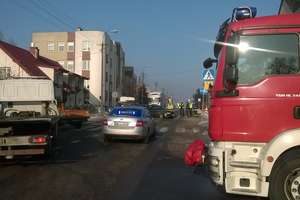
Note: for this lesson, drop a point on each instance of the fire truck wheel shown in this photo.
(285, 177)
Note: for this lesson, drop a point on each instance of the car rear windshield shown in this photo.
(131, 112)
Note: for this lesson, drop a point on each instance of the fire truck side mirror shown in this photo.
(209, 62)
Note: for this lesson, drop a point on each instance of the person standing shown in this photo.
(181, 109)
(187, 109)
(190, 108)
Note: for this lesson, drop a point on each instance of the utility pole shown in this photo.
(142, 91)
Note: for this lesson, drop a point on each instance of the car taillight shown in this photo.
(105, 123)
(38, 140)
(139, 123)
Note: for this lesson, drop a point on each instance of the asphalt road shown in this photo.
(84, 168)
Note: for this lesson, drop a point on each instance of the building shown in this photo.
(16, 62)
(88, 53)
(129, 82)
(119, 75)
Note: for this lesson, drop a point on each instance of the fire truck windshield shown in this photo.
(263, 55)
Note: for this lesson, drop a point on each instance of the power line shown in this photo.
(39, 6)
(34, 12)
(48, 4)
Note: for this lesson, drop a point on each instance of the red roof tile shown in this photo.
(27, 61)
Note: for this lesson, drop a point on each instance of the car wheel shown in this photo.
(285, 177)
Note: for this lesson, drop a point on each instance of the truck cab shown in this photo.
(254, 116)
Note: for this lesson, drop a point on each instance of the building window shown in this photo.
(62, 63)
(4, 72)
(86, 45)
(51, 46)
(106, 76)
(85, 65)
(71, 46)
(70, 66)
(61, 46)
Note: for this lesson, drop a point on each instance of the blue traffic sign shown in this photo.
(203, 91)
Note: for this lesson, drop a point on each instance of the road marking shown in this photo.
(180, 130)
(163, 130)
(75, 141)
(202, 123)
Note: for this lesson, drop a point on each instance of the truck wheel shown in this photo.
(49, 151)
(285, 177)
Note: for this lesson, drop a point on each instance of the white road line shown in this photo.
(75, 141)
(163, 129)
(202, 123)
(180, 130)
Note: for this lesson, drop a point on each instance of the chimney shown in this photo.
(34, 51)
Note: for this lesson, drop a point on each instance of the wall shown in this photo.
(41, 40)
(95, 39)
(6, 61)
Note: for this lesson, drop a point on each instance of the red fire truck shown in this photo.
(254, 116)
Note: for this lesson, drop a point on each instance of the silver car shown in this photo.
(131, 122)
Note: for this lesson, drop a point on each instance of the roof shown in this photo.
(268, 21)
(27, 61)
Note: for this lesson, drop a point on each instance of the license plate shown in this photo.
(13, 141)
(121, 123)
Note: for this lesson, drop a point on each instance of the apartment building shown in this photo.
(129, 82)
(91, 54)
(119, 75)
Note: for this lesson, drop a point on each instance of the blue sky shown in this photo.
(163, 38)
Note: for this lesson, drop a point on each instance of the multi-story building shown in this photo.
(129, 82)
(120, 59)
(88, 53)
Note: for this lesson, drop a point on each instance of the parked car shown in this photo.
(132, 122)
(156, 111)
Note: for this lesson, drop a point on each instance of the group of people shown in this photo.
(188, 108)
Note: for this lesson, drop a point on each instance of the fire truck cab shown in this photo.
(254, 116)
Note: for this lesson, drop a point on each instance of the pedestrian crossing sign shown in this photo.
(208, 75)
